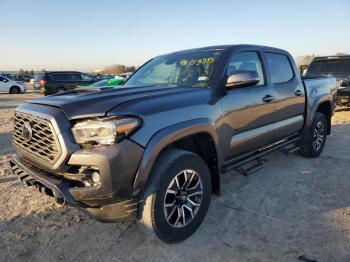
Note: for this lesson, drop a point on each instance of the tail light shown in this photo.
(43, 82)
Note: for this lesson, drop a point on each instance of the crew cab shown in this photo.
(154, 149)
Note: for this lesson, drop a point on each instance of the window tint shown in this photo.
(2, 79)
(74, 77)
(86, 77)
(59, 77)
(246, 61)
(280, 68)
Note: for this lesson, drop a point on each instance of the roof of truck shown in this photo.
(226, 47)
(332, 57)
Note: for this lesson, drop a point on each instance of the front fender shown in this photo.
(168, 135)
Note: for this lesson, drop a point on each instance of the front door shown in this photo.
(248, 111)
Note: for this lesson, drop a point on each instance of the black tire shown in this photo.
(15, 90)
(170, 164)
(311, 145)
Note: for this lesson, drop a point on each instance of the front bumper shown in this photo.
(113, 200)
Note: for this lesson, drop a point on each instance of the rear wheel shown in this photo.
(177, 196)
(15, 90)
(315, 139)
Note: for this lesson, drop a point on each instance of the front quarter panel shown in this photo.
(167, 136)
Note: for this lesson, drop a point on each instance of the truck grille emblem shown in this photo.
(27, 131)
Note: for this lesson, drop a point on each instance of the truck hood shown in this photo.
(93, 102)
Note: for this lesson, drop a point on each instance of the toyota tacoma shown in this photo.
(153, 150)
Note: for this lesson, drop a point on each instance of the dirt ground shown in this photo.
(293, 207)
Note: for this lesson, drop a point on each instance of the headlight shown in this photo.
(104, 131)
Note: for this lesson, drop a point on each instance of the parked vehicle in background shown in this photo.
(336, 66)
(126, 75)
(61, 81)
(154, 151)
(11, 86)
(113, 82)
(24, 78)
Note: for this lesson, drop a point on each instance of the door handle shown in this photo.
(298, 92)
(267, 98)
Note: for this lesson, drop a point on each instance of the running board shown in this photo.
(250, 170)
(290, 149)
(238, 163)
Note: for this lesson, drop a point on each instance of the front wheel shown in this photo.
(315, 139)
(177, 196)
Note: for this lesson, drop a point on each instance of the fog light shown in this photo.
(96, 178)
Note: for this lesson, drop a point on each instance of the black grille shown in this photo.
(43, 145)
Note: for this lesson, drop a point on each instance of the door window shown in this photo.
(246, 61)
(280, 68)
(86, 77)
(74, 77)
(59, 77)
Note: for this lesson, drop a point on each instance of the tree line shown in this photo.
(118, 69)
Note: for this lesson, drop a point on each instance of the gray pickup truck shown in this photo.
(153, 149)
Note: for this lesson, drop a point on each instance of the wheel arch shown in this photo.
(15, 86)
(326, 108)
(198, 136)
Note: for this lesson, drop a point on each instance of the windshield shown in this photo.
(190, 69)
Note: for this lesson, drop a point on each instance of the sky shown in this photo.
(87, 35)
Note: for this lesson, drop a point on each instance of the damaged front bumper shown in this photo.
(113, 200)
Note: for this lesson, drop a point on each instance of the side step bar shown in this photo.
(238, 163)
(250, 170)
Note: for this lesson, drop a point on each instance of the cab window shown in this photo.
(246, 61)
(280, 68)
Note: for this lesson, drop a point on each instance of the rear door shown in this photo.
(289, 94)
(73, 80)
(248, 111)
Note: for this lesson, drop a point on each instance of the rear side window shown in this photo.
(85, 77)
(74, 77)
(280, 68)
(59, 77)
(329, 66)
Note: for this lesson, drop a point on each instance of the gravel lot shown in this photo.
(293, 207)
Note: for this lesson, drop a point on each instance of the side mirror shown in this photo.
(242, 78)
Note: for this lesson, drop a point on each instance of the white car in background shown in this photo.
(11, 86)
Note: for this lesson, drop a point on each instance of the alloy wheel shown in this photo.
(319, 133)
(183, 198)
